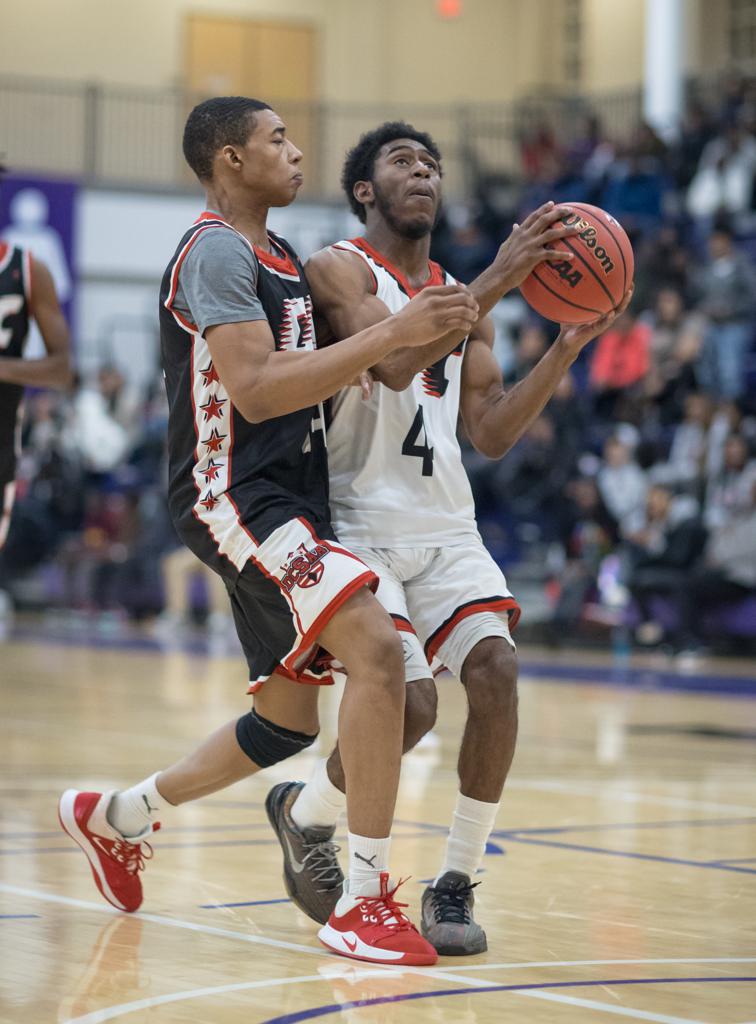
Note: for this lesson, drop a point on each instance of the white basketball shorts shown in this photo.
(443, 602)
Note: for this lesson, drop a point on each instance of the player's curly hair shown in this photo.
(218, 122)
(360, 161)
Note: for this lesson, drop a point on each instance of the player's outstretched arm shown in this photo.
(54, 369)
(263, 383)
(341, 287)
(496, 419)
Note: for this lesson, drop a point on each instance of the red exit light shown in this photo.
(449, 8)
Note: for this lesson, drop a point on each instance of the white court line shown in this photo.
(68, 901)
(609, 963)
(604, 789)
(620, 1011)
(110, 1013)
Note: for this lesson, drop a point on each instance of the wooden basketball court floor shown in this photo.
(620, 881)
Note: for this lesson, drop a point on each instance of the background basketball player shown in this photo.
(248, 493)
(401, 499)
(26, 292)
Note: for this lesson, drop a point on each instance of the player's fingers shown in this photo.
(540, 212)
(443, 290)
(459, 323)
(366, 385)
(555, 234)
(546, 220)
(553, 255)
(461, 301)
(626, 300)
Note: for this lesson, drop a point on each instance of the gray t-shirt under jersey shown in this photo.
(217, 282)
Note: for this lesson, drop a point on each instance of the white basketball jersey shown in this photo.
(394, 461)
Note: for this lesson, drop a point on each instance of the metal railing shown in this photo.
(132, 137)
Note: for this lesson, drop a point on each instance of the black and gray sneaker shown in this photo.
(447, 919)
(312, 874)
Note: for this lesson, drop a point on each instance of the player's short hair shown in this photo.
(360, 161)
(215, 123)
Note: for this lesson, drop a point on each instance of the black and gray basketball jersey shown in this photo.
(231, 482)
(15, 292)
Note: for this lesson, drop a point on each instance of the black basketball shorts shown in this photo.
(286, 593)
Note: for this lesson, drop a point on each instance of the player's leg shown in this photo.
(112, 828)
(367, 923)
(304, 816)
(7, 496)
(467, 629)
(420, 710)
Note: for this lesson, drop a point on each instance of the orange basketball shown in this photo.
(591, 283)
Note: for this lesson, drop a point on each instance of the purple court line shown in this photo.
(651, 679)
(164, 831)
(17, 917)
(323, 1011)
(726, 685)
(178, 845)
(631, 855)
(248, 903)
(558, 829)
(734, 860)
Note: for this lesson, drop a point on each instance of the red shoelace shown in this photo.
(132, 855)
(384, 907)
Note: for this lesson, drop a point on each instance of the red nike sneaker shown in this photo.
(375, 929)
(115, 861)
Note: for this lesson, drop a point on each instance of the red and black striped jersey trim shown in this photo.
(279, 260)
(436, 273)
(463, 611)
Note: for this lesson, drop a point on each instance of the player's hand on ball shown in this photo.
(535, 240)
(435, 312)
(576, 336)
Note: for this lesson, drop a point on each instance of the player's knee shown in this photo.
(420, 710)
(266, 743)
(378, 657)
(490, 678)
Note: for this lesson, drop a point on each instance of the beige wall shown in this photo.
(371, 50)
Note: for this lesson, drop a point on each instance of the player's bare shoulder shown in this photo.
(336, 275)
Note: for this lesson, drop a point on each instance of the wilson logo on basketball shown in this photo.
(588, 235)
(305, 568)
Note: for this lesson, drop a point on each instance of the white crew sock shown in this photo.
(133, 812)
(367, 859)
(320, 802)
(471, 826)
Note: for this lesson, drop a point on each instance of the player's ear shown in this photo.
(363, 192)
(231, 157)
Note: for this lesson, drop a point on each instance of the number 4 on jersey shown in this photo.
(420, 451)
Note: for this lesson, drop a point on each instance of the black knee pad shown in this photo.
(266, 743)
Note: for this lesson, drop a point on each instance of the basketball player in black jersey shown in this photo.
(448, 589)
(248, 493)
(26, 292)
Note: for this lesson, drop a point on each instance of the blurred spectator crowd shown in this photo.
(631, 501)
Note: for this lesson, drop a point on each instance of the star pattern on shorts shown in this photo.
(214, 442)
(209, 501)
(212, 407)
(210, 374)
(211, 471)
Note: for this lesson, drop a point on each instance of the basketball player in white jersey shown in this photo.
(401, 500)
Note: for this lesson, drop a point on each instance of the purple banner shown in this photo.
(38, 214)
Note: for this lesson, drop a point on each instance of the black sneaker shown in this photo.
(447, 919)
(312, 874)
